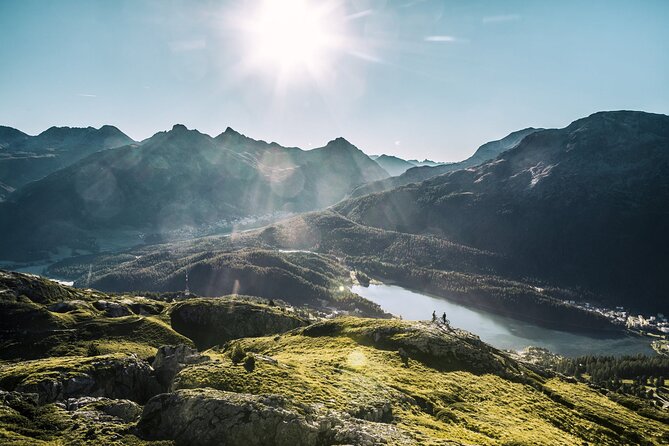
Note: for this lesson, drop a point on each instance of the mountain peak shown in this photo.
(179, 128)
(340, 142)
(622, 117)
(230, 132)
(109, 128)
(233, 135)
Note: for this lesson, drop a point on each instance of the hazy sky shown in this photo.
(413, 78)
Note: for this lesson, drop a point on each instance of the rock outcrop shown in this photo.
(112, 309)
(105, 376)
(171, 359)
(209, 322)
(209, 417)
(213, 417)
(103, 409)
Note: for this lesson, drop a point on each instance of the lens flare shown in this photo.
(292, 38)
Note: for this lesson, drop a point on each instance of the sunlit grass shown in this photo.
(342, 374)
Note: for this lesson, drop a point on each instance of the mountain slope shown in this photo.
(5, 190)
(175, 180)
(586, 205)
(10, 136)
(426, 170)
(25, 158)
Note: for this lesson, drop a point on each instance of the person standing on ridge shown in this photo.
(434, 316)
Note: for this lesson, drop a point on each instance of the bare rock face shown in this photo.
(126, 378)
(213, 417)
(170, 359)
(210, 417)
(376, 411)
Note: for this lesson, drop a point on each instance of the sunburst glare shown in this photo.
(290, 39)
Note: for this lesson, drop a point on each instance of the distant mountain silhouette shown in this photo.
(428, 169)
(586, 205)
(176, 179)
(425, 162)
(393, 165)
(10, 136)
(25, 158)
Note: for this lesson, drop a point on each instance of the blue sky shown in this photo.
(415, 78)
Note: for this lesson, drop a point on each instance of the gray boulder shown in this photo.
(212, 417)
(69, 305)
(112, 309)
(103, 409)
(171, 359)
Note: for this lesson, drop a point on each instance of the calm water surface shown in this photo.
(499, 331)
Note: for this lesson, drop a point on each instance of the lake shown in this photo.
(500, 331)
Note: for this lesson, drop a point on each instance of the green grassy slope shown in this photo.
(75, 368)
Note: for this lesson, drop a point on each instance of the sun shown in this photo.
(291, 36)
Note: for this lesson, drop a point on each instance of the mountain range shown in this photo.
(25, 158)
(257, 336)
(174, 180)
(429, 169)
(397, 166)
(583, 206)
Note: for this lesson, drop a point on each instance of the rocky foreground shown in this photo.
(83, 367)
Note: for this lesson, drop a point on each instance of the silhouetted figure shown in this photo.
(434, 316)
(443, 318)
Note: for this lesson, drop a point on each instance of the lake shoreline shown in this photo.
(501, 331)
(496, 310)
